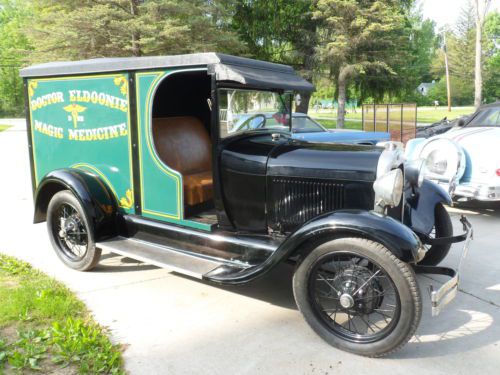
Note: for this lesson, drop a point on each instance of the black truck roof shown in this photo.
(254, 73)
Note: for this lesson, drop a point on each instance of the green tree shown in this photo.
(491, 88)
(359, 38)
(461, 55)
(14, 16)
(76, 29)
(280, 31)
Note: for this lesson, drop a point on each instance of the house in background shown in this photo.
(424, 87)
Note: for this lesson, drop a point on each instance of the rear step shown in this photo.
(163, 256)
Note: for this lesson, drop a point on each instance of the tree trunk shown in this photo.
(136, 36)
(478, 81)
(305, 98)
(342, 83)
(308, 67)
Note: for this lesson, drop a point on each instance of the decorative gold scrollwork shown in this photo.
(123, 83)
(127, 201)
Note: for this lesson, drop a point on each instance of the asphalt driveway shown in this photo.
(172, 324)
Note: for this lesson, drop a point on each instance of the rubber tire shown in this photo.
(93, 255)
(403, 277)
(444, 228)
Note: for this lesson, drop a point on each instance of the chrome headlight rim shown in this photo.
(389, 188)
(449, 160)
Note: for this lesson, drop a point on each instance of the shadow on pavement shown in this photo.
(116, 263)
(274, 288)
(466, 324)
(481, 208)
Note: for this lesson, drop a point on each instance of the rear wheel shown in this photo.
(71, 233)
(358, 296)
(442, 228)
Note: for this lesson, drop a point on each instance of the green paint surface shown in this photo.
(83, 122)
(161, 186)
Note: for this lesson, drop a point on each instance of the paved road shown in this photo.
(176, 325)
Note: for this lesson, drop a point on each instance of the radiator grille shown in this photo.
(295, 201)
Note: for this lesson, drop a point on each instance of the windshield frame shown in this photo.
(288, 105)
(479, 112)
(308, 118)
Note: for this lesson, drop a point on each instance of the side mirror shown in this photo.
(461, 122)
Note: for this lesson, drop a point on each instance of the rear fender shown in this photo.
(96, 199)
(421, 203)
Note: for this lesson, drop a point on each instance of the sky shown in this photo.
(447, 11)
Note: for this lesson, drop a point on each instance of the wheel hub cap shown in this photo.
(346, 301)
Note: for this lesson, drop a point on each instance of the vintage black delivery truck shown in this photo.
(135, 156)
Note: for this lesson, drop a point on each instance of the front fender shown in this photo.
(421, 203)
(394, 235)
(397, 237)
(96, 199)
(413, 148)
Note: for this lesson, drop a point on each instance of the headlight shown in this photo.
(414, 172)
(389, 188)
(444, 160)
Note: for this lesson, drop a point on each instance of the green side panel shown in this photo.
(161, 186)
(84, 122)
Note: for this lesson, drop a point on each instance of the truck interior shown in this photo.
(181, 135)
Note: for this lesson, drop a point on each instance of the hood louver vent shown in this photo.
(294, 201)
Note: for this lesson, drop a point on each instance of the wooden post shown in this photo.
(387, 118)
(363, 117)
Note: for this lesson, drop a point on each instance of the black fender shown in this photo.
(394, 235)
(421, 203)
(95, 197)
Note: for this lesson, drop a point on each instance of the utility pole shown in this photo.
(448, 89)
(478, 77)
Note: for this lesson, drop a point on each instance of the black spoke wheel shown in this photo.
(358, 296)
(354, 296)
(443, 227)
(70, 233)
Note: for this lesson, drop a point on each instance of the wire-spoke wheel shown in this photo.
(70, 232)
(358, 296)
(443, 227)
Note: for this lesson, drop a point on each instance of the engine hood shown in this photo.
(341, 162)
(343, 137)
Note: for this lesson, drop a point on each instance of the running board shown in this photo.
(162, 256)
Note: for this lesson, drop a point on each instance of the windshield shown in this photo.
(243, 110)
(487, 117)
(304, 124)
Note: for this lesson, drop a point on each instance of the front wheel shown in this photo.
(71, 233)
(358, 296)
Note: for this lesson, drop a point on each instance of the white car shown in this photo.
(466, 159)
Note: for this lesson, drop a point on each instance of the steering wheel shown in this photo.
(246, 124)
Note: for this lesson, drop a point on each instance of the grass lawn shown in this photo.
(332, 123)
(431, 114)
(424, 115)
(3, 127)
(45, 328)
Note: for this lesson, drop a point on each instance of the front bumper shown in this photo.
(473, 190)
(480, 192)
(448, 291)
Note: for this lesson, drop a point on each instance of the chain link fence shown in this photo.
(400, 120)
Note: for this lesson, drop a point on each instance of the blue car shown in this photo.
(307, 129)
